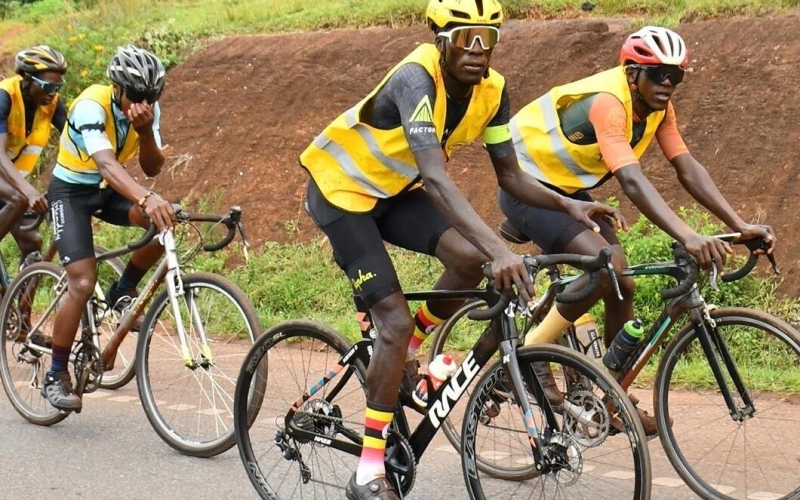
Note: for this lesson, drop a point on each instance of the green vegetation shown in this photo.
(87, 31)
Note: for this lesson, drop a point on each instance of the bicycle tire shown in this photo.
(22, 370)
(298, 354)
(209, 379)
(593, 469)
(735, 476)
(124, 366)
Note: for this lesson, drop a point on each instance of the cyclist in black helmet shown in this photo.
(106, 126)
(29, 108)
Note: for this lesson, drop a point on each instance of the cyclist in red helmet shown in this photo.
(579, 135)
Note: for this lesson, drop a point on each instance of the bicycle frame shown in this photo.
(500, 334)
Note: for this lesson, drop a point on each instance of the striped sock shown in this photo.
(424, 324)
(376, 424)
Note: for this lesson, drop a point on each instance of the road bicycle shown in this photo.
(737, 435)
(305, 441)
(190, 344)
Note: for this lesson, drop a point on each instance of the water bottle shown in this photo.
(623, 345)
(586, 332)
(439, 370)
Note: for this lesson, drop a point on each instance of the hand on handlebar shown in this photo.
(585, 211)
(759, 232)
(509, 270)
(37, 202)
(160, 211)
(710, 252)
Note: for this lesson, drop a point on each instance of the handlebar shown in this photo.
(754, 246)
(37, 221)
(534, 264)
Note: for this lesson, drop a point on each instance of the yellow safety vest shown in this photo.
(25, 150)
(548, 155)
(72, 158)
(355, 164)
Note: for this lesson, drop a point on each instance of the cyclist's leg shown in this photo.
(120, 211)
(359, 250)
(29, 242)
(417, 224)
(12, 207)
(71, 206)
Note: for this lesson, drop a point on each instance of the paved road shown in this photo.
(110, 452)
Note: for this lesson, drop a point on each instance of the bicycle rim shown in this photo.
(188, 396)
(598, 449)
(717, 456)
(297, 355)
(22, 366)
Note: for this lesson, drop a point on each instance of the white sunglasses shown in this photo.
(465, 36)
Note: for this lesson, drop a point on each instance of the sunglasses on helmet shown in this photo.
(465, 37)
(137, 97)
(661, 72)
(48, 87)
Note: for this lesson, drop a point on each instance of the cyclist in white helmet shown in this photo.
(107, 125)
(579, 135)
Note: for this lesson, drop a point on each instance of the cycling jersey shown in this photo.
(27, 126)
(574, 136)
(355, 163)
(95, 123)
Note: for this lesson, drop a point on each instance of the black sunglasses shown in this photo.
(661, 72)
(47, 87)
(137, 97)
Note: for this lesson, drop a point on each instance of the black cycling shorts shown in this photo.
(72, 207)
(551, 230)
(410, 220)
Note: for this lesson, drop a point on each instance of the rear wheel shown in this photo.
(298, 364)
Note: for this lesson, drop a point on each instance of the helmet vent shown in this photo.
(460, 15)
(479, 4)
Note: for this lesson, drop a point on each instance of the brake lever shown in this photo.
(775, 268)
(613, 276)
(246, 245)
(713, 276)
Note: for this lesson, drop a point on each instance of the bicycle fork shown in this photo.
(715, 349)
(175, 288)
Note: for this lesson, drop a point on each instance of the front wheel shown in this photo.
(187, 388)
(754, 452)
(597, 449)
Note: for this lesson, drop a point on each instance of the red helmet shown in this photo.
(654, 45)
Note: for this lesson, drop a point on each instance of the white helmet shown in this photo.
(654, 45)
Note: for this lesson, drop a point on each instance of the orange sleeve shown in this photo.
(610, 122)
(668, 136)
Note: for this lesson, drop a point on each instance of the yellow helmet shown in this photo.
(440, 13)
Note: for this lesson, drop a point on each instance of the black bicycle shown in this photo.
(736, 432)
(305, 440)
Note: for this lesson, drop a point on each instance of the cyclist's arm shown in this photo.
(692, 175)
(151, 158)
(412, 85)
(609, 119)
(8, 171)
(510, 177)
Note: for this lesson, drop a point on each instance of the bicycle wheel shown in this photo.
(27, 313)
(109, 271)
(187, 391)
(717, 455)
(299, 355)
(593, 453)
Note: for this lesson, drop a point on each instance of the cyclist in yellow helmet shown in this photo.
(368, 169)
(579, 135)
(29, 107)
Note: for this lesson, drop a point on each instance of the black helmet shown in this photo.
(39, 58)
(137, 70)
